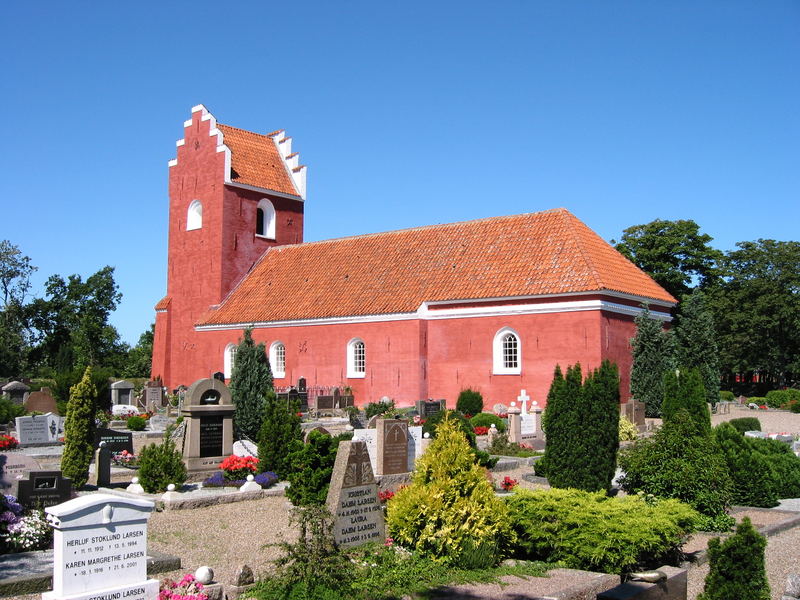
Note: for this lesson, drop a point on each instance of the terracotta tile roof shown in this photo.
(544, 253)
(164, 303)
(256, 161)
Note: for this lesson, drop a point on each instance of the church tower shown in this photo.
(233, 194)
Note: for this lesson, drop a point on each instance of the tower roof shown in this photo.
(534, 254)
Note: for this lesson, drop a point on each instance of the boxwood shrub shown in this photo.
(486, 419)
(470, 402)
(746, 424)
(136, 423)
(780, 398)
(726, 396)
(591, 531)
(784, 464)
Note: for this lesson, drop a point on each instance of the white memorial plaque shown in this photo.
(37, 429)
(527, 420)
(414, 445)
(100, 549)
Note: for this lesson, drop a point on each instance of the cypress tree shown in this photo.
(280, 428)
(250, 381)
(653, 354)
(696, 342)
(672, 397)
(564, 452)
(736, 566)
(750, 471)
(683, 389)
(79, 430)
(601, 420)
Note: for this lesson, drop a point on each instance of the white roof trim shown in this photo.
(425, 314)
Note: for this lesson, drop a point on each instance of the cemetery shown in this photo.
(459, 491)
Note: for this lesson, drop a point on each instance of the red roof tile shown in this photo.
(255, 160)
(164, 303)
(533, 254)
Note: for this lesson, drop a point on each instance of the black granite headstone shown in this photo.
(210, 436)
(116, 441)
(43, 488)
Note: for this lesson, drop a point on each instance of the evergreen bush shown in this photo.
(781, 398)
(653, 355)
(753, 478)
(470, 402)
(378, 408)
(683, 389)
(678, 462)
(586, 461)
(9, 410)
(487, 419)
(696, 343)
(311, 467)
(136, 423)
(279, 431)
(784, 464)
(79, 431)
(160, 465)
(743, 424)
(726, 396)
(736, 566)
(432, 423)
(591, 531)
(627, 430)
(251, 379)
(449, 504)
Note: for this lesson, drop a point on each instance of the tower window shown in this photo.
(265, 219)
(229, 359)
(194, 217)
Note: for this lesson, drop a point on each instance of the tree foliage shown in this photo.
(653, 355)
(750, 471)
(756, 308)
(674, 253)
(140, 357)
(736, 566)
(586, 461)
(279, 430)
(79, 430)
(696, 342)
(251, 379)
(684, 390)
(15, 272)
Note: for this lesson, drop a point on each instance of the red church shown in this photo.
(492, 304)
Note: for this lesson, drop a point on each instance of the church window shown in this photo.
(265, 219)
(230, 358)
(507, 353)
(277, 359)
(356, 358)
(194, 218)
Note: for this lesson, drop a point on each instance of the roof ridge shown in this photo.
(266, 135)
(423, 227)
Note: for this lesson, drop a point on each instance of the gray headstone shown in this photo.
(101, 477)
(318, 429)
(38, 430)
(500, 409)
(353, 497)
(245, 448)
(370, 438)
(755, 434)
(13, 467)
(158, 423)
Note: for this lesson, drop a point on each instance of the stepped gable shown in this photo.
(258, 160)
(534, 254)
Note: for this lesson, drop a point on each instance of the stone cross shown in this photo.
(523, 400)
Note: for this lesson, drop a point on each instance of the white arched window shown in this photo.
(265, 219)
(356, 358)
(277, 359)
(230, 358)
(194, 217)
(507, 352)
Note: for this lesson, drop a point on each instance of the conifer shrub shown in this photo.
(9, 410)
(736, 566)
(79, 431)
(781, 398)
(431, 424)
(581, 421)
(378, 408)
(684, 389)
(785, 466)
(753, 477)
(653, 354)
(160, 465)
(487, 419)
(279, 431)
(727, 396)
(251, 379)
(591, 531)
(470, 402)
(743, 424)
(678, 462)
(311, 467)
(450, 505)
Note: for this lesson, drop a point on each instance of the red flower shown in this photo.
(508, 484)
(7, 442)
(481, 430)
(385, 496)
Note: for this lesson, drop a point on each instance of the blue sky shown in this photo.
(406, 114)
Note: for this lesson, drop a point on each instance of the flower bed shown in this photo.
(22, 531)
(8, 442)
(265, 480)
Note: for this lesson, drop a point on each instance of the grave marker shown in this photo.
(208, 411)
(38, 430)
(43, 488)
(353, 497)
(527, 420)
(13, 467)
(41, 401)
(16, 391)
(392, 446)
(370, 438)
(116, 441)
(153, 395)
(100, 549)
(245, 448)
(101, 476)
(428, 408)
(122, 392)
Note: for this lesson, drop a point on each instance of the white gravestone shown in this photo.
(38, 429)
(245, 448)
(414, 445)
(528, 420)
(100, 549)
